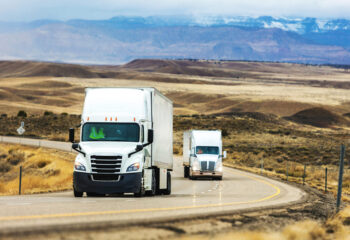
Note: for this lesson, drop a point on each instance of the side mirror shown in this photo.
(150, 136)
(138, 148)
(225, 154)
(71, 135)
(75, 145)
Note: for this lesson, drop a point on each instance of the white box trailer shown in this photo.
(202, 154)
(126, 143)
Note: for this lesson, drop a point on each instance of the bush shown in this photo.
(4, 167)
(3, 115)
(21, 113)
(42, 163)
(48, 113)
(224, 132)
(15, 157)
(64, 114)
(176, 150)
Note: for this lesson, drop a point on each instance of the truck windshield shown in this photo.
(207, 150)
(123, 132)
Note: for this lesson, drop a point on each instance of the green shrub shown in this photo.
(4, 167)
(48, 113)
(22, 113)
(224, 132)
(15, 157)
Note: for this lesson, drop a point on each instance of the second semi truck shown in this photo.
(202, 154)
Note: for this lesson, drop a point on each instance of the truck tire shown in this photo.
(219, 178)
(92, 194)
(186, 171)
(190, 175)
(76, 193)
(152, 192)
(141, 191)
(167, 191)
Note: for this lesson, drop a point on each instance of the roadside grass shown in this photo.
(336, 227)
(44, 170)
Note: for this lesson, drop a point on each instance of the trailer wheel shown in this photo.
(152, 192)
(76, 193)
(167, 191)
(186, 171)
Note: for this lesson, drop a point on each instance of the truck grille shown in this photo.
(105, 177)
(207, 167)
(106, 164)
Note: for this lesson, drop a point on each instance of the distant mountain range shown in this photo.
(121, 39)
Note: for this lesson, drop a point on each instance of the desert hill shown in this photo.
(195, 86)
(319, 117)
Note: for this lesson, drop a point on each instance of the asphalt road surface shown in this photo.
(237, 191)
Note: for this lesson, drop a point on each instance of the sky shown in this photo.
(29, 10)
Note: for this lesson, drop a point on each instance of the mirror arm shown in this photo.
(132, 153)
(143, 145)
(146, 144)
(84, 154)
(79, 151)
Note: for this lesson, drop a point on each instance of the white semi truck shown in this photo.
(202, 154)
(126, 143)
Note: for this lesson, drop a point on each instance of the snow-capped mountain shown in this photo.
(121, 39)
(299, 25)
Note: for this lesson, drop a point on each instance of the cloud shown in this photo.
(26, 10)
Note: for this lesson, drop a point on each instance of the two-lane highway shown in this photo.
(237, 191)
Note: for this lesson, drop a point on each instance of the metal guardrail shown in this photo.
(64, 146)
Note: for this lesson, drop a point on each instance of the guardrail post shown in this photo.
(325, 180)
(304, 175)
(20, 180)
(340, 179)
(287, 171)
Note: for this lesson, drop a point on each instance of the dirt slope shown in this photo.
(318, 117)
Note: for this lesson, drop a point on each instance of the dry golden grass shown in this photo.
(337, 228)
(44, 170)
(281, 89)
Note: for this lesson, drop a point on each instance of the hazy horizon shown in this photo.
(31, 10)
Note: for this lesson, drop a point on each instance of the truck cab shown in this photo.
(202, 154)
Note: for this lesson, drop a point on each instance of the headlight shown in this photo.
(80, 167)
(219, 166)
(133, 167)
(195, 165)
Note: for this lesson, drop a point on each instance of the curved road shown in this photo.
(237, 191)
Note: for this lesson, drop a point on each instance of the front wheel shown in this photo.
(76, 193)
(186, 171)
(142, 191)
(167, 191)
(92, 194)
